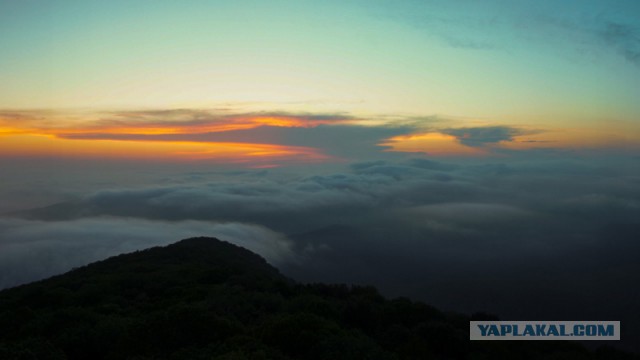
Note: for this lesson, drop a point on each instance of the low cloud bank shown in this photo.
(528, 238)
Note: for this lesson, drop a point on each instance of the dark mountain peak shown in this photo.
(210, 250)
(155, 272)
(193, 258)
(208, 244)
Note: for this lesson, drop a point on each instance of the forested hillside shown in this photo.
(203, 298)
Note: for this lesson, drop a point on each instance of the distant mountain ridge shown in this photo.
(202, 298)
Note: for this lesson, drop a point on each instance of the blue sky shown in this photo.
(518, 61)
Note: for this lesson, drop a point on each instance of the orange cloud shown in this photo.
(160, 122)
(432, 143)
(35, 135)
(574, 138)
(38, 145)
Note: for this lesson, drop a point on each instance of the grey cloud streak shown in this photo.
(625, 38)
(338, 140)
(571, 28)
(481, 136)
(197, 117)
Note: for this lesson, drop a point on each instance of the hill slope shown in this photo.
(203, 298)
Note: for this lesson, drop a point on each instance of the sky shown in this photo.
(475, 155)
(554, 75)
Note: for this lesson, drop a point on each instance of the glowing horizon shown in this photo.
(255, 139)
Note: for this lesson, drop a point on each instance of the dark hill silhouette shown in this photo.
(203, 298)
